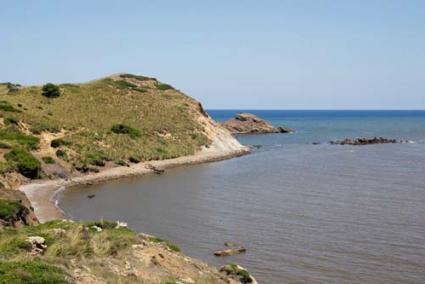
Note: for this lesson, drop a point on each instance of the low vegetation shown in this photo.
(126, 118)
(48, 160)
(9, 209)
(63, 240)
(34, 272)
(164, 87)
(125, 129)
(50, 91)
(168, 243)
(24, 161)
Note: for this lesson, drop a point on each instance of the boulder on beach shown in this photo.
(247, 123)
(365, 141)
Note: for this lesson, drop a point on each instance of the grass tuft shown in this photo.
(125, 129)
(25, 162)
(34, 272)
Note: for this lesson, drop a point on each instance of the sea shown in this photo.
(305, 210)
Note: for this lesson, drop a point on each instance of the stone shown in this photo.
(231, 251)
(247, 123)
(365, 141)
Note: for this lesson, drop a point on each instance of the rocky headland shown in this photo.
(57, 136)
(247, 123)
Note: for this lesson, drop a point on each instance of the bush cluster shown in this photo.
(125, 129)
(25, 162)
(50, 90)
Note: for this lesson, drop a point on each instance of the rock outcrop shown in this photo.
(247, 123)
(365, 141)
(15, 209)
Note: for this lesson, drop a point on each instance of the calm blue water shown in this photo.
(324, 125)
(306, 213)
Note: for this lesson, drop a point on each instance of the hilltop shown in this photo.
(76, 129)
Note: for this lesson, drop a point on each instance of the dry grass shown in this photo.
(165, 120)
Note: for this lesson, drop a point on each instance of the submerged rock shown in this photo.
(230, 251)
(247, 123)
(365, 141)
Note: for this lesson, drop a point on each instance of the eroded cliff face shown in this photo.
(247, 123)
(15, 209)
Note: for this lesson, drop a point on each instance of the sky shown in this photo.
(317, 54)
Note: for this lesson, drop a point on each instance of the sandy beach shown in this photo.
(42, 193)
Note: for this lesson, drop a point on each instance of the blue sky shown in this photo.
(228, 54)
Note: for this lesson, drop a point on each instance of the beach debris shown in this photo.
(121, 225)
(238, 272)
(156, 170)
(91, 196)
(38, 244)
(366, 141)
(231, 251)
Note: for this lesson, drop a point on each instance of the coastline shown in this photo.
(42, 193)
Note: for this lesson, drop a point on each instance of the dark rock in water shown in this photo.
(316, 143)
(247, 123)
(230, 251)
(91, 196)
(256, 146)
(365, 141)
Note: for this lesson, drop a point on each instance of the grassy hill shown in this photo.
(115, 120)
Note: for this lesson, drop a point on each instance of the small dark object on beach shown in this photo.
(91, 196)
(155, 169)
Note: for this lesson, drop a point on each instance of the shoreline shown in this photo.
(42, 193)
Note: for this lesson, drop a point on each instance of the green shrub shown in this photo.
(50, 90)
(48, 160)
(164, 87)
(122, 84)
(61, 154)
(42, 127)
(169, 244)
(134, 159)
(125, 129)
(137, 77)
(25, 162)
(121, 163)
(141, 90)
(5, 146)
(6, 106)
(11, 120)
(34, 272)
(15, 136)
(55, 143)
(9, 209)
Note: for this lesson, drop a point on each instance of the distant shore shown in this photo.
(42, 193)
